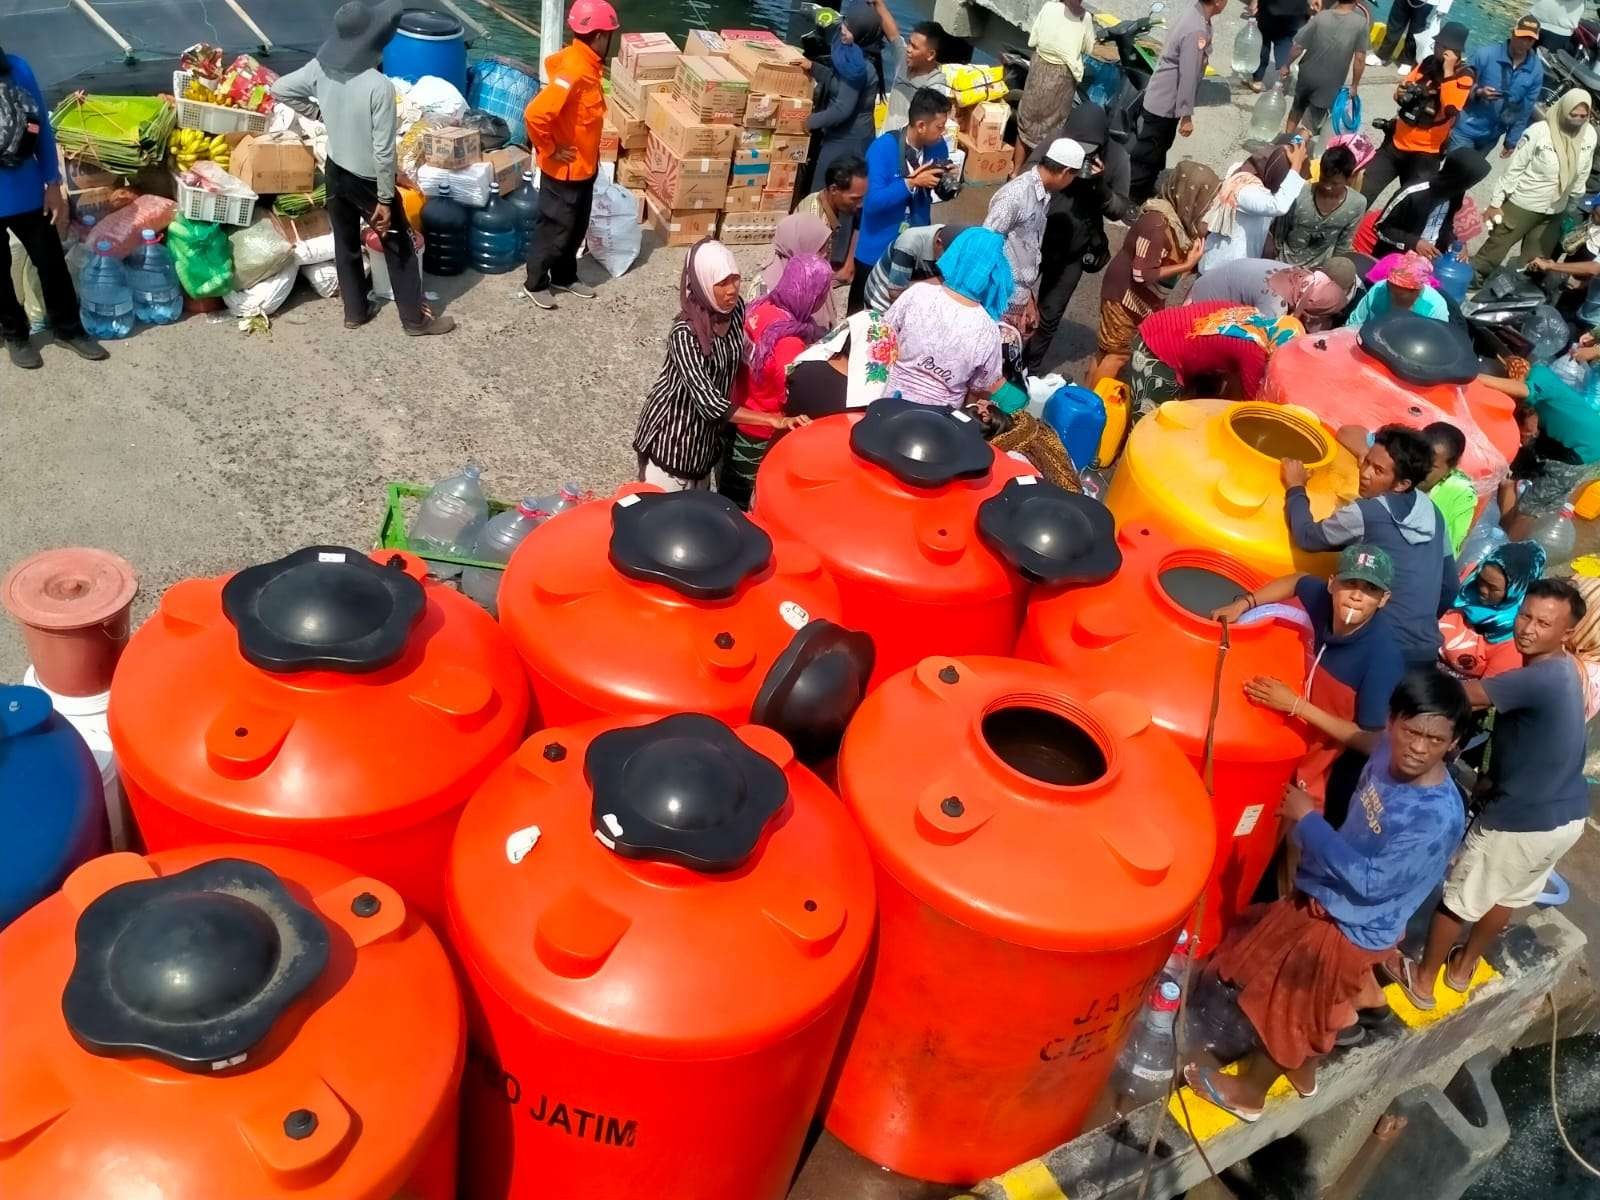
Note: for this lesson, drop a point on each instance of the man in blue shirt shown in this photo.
(903, 167)
(33, 205)
(1509, 76)
(1303, 964)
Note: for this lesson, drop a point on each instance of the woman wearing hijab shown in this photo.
(1174, 349)
(847, 368)
(685, 415)
(1547, 172)
(1422, 217)
(1314, 298)
(947, 330)
(1062, 34)
(1584, 643)
(1477, 629)
(777, 327)
(1163, 246)
(1405, 282)
(1254, 195)
(798, 234)
(844, 122)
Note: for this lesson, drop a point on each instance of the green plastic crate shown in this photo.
(403, 499)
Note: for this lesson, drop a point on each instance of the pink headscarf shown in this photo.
(709, 262)
(1412, 271)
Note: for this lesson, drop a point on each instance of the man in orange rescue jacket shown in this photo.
(564, 130)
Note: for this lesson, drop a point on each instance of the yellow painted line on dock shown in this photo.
(1446, 1000)
(1208, 1119)
(1031, 1181)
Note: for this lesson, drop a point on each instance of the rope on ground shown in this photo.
(1555, 1104)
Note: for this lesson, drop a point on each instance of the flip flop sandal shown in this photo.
(1406, 980)
(1315, 1088)
(1448, 973)
(1255, 85)
(1201, 1080)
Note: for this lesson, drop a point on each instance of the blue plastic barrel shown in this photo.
(1079, 418)
(52, 807)
(428, 43)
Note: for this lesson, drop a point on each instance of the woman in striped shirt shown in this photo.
(685, 417)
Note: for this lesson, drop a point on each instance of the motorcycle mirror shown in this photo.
(1157, 7)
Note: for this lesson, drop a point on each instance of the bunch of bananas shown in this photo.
(189, 146)
(199, 89)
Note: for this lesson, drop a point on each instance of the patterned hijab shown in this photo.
(1521, 563)
(1186, 193)
(1249, 324)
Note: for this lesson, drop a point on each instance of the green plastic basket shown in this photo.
(404, 497)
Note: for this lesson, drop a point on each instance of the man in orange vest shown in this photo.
(564, 130)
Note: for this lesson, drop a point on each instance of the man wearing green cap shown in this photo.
(1356, 663)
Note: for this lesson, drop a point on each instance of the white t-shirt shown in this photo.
(946, 348)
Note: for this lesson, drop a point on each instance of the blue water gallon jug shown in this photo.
(1454, 273)
(157, 296)
(1079, 418)
(446, 226)
(525, 201)
(105, 301)
(494, 241)
(428, 43)
(52, 808)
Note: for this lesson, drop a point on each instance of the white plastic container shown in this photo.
(87, 714)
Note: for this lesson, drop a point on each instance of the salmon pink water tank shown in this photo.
(677, 602)
(1149, 632)
(330, 701)
(1034, 867)
(662, 924)
(227, 1023)
(890, 499)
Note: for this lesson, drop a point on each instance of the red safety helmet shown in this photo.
(591, 16)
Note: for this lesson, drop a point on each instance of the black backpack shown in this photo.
(19, 123)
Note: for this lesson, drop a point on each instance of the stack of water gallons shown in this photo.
(114, 296)
(670, 815)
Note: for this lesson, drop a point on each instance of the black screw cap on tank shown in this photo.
(1050, 535)
(324, 606)
(683, 790)
(699, 544)
(921, 446)
(814, 687)
(1420, 350)
(194, 968)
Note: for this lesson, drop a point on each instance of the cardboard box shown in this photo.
(712, 89)
(786, 147)
(748, 229)
(984, 166)
(644, 209)
(683, 228)
(629, 124)
(634, 93)
(761, 111)
(648, 55)
(754, 156)
(742, 200)
(610, 146)
(97, 202)
(451, 147)
(790, 117)
(771, 67)
(702, 43)
(777, 202)
(509, 163)
(754, 139)
(679, 130)
(680, 182)
(985, 125)
(750, 177)
(751, 35)
(82, 176)
(307, 228)
(783, 175)
(632, 171)
(274, 163)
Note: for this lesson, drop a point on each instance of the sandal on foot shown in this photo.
(1403, 972)
(1255, 85)
(1203, 1081)
(1449, 974)
(1315, 1087)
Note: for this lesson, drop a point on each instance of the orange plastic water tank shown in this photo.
(330, 701)
(1033, 874)
(1148, 632)
(227, 1023)
(678, 602)
(890, 499)
(662, 924)
(1208, 473)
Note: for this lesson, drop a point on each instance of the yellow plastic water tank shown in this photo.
(1206, 473)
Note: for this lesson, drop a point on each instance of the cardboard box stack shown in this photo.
(982, 130)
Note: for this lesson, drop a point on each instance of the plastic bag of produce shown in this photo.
(323, 278)
(124, 229)
(203, 256)
(266, 296)
(614, 231)
(259, 250)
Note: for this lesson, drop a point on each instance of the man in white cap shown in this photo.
(344, 88)
(1018, 212)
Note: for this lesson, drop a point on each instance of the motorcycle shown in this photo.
(1511, 316)
(1119, 87)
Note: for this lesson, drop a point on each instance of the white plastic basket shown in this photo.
(212, 118)
(222, 208)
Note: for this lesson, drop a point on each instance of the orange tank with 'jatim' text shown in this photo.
(226, 1023)
(662, 924)
(1038, 848)
(330, 701)
(1149, 632)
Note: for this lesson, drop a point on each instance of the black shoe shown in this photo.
(1350, 1035)
(365, 318)
(25, 355)
(85, 346)
(433, 327)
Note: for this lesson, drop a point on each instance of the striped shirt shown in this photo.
(908, 258)
(685, 416)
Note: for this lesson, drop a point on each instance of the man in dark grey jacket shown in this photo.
(1167, 107)
(1395, 515)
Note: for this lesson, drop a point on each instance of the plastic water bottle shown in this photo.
(81, 250)
(525, 202)
(448, 520)
(1557, 534)
(157, 296)
(1178, 961)
(1143, 1070)
(496, 540)
(569, 495)
(105, 300)
(1266, 120)
(1483, 539)
(1247, 50)
(493, 239)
